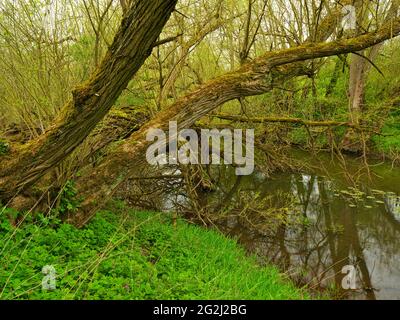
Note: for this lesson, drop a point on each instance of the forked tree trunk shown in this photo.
(142, 24)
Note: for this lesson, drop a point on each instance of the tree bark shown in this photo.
(124, 5)
(116, 126)
(141, 26)
(257, 77)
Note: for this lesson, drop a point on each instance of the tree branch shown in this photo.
(309, 123)
(166, 40)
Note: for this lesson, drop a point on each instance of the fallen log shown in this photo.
(309, 123)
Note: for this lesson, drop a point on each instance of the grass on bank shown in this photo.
(132, 255)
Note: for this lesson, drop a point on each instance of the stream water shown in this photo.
(339, 224)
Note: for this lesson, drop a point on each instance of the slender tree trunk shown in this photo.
(133, 43)
(359, 69)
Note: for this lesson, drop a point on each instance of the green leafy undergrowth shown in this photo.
(390, 140)
(131, 255)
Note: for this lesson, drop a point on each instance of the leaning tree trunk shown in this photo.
(257, 77)
(141, 25)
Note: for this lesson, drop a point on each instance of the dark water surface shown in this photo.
(341, 225)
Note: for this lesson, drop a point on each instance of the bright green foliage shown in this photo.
(132, 255)
(390, 140)
(69, 200)
(4, 147)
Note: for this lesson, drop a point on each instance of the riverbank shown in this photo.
(125, 254)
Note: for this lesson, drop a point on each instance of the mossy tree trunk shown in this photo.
(141, 25)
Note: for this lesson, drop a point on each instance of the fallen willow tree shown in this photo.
(27, 164)
(140, 28)
(255, 78)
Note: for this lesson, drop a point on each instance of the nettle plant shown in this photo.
(69, 199)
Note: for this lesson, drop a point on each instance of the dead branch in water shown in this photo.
(307, 123)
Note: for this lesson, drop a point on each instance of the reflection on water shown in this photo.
(338, 229)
